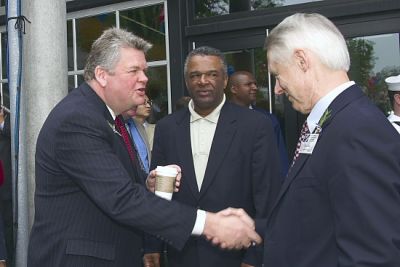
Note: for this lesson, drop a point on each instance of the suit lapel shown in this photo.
(184, 151)
(97, 102)
(224, 133)
(340, 102)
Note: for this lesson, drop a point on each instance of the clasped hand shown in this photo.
(151, 179)
(231, 229)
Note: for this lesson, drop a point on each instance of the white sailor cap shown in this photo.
(393, 83)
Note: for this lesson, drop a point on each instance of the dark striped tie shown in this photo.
(120, 126)
(305, 132)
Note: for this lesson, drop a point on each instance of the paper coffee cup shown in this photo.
(165, 181)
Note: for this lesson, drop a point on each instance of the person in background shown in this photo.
(227, 153)
(6, 208)
(340, 203)
(90, 206)
(136, 120)
(182, 102)
(243, 89)
(393, 84)
(142, 114)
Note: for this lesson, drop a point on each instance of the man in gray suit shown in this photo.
(90, 209)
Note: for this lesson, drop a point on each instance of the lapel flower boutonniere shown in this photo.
(112, 126)
(322, 120)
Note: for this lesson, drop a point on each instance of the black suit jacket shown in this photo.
(340, 206)
(89, 211)
(243, 171)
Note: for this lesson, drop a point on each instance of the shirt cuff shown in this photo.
(200, 223)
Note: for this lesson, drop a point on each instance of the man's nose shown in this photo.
(203, 78)
(143, 77)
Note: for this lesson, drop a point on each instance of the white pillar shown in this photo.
(45, 83)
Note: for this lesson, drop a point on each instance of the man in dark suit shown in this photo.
(242, 87)
(227, 153)
(90, 209)
(340, 203)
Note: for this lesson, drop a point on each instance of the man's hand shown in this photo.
(231, 229)
(151, 260)
(151, 179)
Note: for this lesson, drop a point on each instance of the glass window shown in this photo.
(70, 45)
(88, 30)
(148, 23)
(254, 61)
(210, 8)
(5, 95)
(373, 58)
(157, 90)
(4, 55)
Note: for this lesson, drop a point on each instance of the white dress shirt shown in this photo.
(202, 130)
(322, 104)
(394, 118)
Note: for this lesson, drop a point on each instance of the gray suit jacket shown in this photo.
(89, 210)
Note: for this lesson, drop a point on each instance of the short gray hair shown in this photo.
(310, 31)
(206, 51)
(106, 50)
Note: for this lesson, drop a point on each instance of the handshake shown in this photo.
(231, 229)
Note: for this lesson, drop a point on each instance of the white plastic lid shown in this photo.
(167, 171)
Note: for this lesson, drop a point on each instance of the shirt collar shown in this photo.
(212, 117)
(322, 104)
(111, 112)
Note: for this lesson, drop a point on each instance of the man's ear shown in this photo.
(232, 89)
(301, 59)
(100, 75)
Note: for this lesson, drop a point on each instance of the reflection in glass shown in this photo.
(70, 46)
(373, 58)
(157, 90)
(210, 8)
(4, 55)
(148, 23)
(88, 30)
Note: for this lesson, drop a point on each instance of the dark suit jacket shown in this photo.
(340, 206)
(88, 209)
(243, 171)
(279, 139)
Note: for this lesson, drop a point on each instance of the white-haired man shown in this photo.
(340, 203)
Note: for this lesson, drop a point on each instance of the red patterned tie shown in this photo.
(305, 132)
(120, 126)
